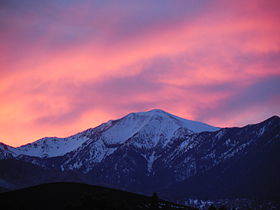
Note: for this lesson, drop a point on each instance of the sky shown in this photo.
(68, 65)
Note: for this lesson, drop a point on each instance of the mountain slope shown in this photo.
(252, 174)
(6, 151)
(52, 146)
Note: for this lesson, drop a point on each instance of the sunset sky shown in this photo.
(69, 65)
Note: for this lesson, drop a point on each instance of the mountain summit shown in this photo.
(159, 125)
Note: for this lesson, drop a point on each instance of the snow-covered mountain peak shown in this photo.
(158, 114)
(155, 124)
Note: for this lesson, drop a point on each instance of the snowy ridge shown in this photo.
(51, 146)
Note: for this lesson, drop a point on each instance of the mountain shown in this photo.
(155, 122)
(57, 196)
(155, 151)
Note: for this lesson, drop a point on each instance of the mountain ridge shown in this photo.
(142, 119)
(156, 154)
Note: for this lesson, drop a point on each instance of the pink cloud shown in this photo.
(64, 69)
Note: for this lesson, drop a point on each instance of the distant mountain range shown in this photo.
(156, 151)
